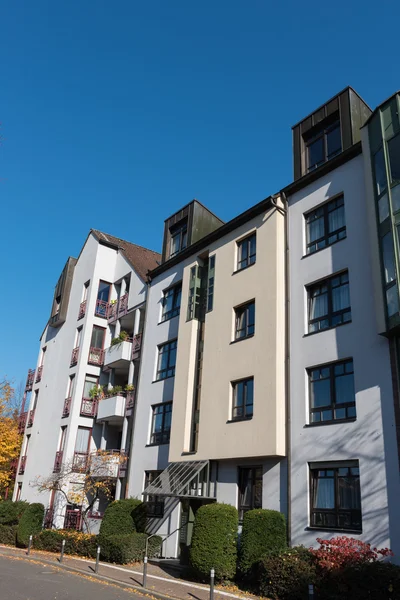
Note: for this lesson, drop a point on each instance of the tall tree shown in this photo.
(10, 440)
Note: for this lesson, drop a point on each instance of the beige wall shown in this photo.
(262, 356)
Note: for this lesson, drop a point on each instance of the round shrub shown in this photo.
(30, 523)
(128, 548)
(122, 517)
(214, 541)
(76, 542)
(8, 534)
(11, 512)
(264, 531)
(286, 576)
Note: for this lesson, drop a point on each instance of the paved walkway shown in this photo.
(162, 582)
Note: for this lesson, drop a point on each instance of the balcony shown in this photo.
(89, 407)
(80, 462)
(136, 346)
(66, 407)
(31, 417)
(29, 380)
(22, 422)
(106, 464)
(101, 309)
(73, 519)
(96, 356)
(39, 374)
(82, 310)
(58, 462)
(119, 355)
(111, 409)
(130, 400)
(117, 309)
(22, 465)
(74, 356)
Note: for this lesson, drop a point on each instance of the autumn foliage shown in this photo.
(340, 552)
(10, 440)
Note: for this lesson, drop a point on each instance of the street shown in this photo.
(22, 580)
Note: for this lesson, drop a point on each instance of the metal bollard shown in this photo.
(29, 545)
(144, 571)
(212, 577)
(311, 591)
(62, 551)
(96, 569)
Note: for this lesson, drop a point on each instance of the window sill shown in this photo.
(322, 249)
(189, 453)
(244, 268)
(312, 528)
(158, 444)
(240, 420)
(327, 329)
(242, 339)
(335, 422)
(163, 379)
(169, 319)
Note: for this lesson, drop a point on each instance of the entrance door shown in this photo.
(189, 508)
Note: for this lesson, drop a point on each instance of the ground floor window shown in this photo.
(250, 489)
(154, 504)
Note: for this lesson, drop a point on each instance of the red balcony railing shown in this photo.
(22, 421)
(80, 461)
(73, 519)
(82, 310)
(48, 518)
(101, 309)
(96, 356)
(14, 466)
(123, 305)
(29, 380)
(58, 461)
(136, 346)
(117, 308)
(74, 356)
(89, 407)
(39, 374)
(123, 465)
(22, 464)
(66, 407)
(130, 400)
(31, 417)
(112, 311)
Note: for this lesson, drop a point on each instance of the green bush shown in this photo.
(30, 523)
(8, 534)
(11, 512)
(264, 531)
(369, 580)
(122, 517)
(128, 548)
(76, 542)
(286, 576)
(214, 541)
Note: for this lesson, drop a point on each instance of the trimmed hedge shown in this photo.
(30, 523)
(76, 542)
(11, 512)
(122, 517)
(8, 534)
(214, 541)
(264, 531)
(128, 548)
(286, 576)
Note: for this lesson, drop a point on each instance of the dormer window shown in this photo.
(323, 143)
(178, 240)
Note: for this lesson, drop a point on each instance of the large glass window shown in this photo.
(97, 340)
(245, 320)
(329, 303)
(243, 399)
(103, 292)
(178, 240)
(246, 252)
(389, 266)
(250, 489)
(210, 283)
(335, 496)
(161, 423)
(154, 504)
(166, 360)
(323, 145)
(81, 449)
(90, 382)
(393, 147)
(171, 302)
(380, 172)
(325, 225)
(332, 396)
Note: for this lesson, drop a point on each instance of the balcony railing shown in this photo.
(58, 461)
(123, 465)
(39, 374)
(14, 466)
(89, 407)
(74, 356)
(66, 407)
(105, 464)
(136, 346)
(22, 465)
(82, 310)
(31, 417)
(80, 462)
(29, 380)
(96, 356)
(112, 311)
(117, 309)
(48, 518)
(22, 422)
(101, 309)
(130, 400)
(73, 519)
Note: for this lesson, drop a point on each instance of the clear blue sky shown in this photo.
(115, 114)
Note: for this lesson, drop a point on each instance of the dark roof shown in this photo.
(141, 259)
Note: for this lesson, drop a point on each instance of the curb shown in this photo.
(127, 586)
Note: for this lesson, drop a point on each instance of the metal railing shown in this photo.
(30, 380)
(96, 356)
(89, 407)
(82, 310)
(74, 356)
(22, 465)
(101, 309)
(31, 417)
(58, 461)
(39, 374)
(66, 407)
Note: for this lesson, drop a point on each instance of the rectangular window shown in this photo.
(78, 337)
(81, 449)
(90, 382)
(323, 144)
(154, 504)
(42, 356)
(178, 239)
(63, 436)
(85, 291)
(166, 360)
(71, 386)
(332, 396)
(250, 489)
(171, 302)
(161, 423)
(246, 252)
(19, 492)
(335, 496)
(245, 320)
(393, 147)
(329, 303)
(389, 267)
(35, 399)
(243, 399)
(103, 296)
(97, 339)
(210, 283)
(194, 293)
(325, 225)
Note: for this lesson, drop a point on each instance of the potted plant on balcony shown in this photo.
(129, 387)
(122, 337)
(96, 393)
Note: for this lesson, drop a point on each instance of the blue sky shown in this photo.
(116, 114)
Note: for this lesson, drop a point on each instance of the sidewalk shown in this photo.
(161, 582)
